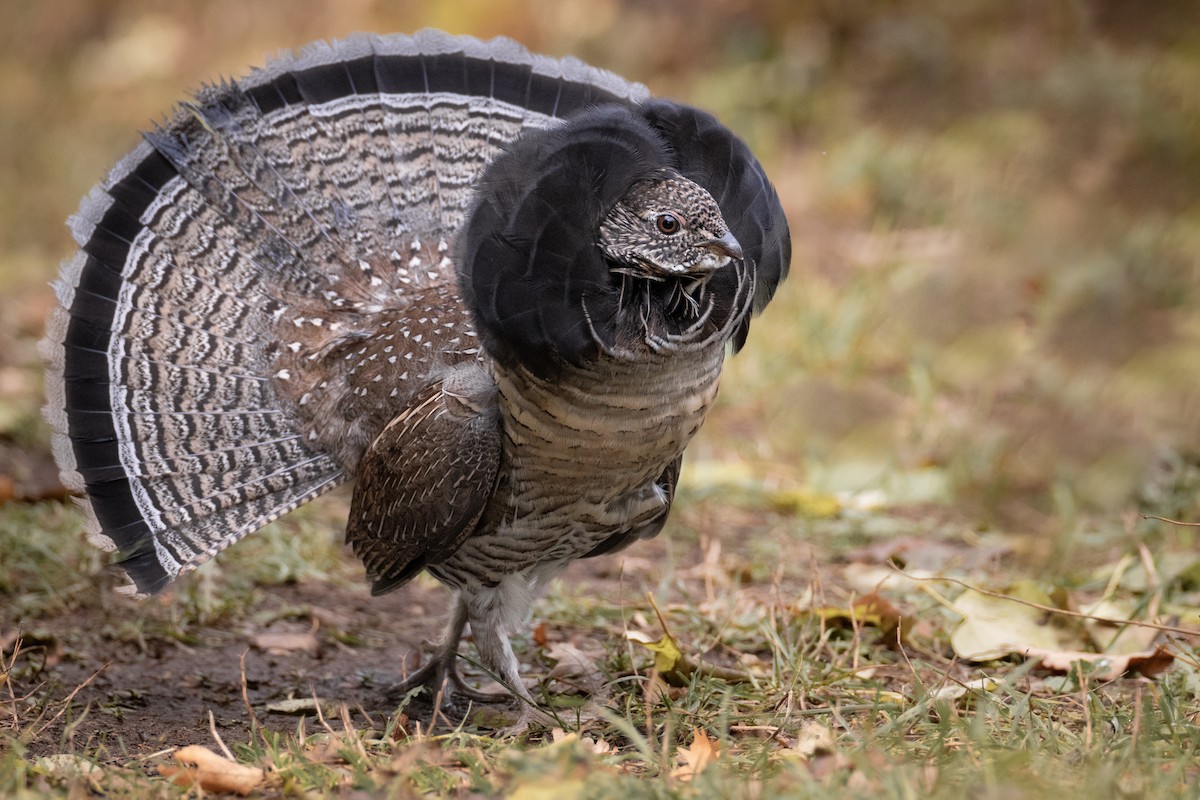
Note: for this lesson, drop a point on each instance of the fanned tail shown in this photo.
(324, 188)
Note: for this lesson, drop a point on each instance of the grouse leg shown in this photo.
(441, 674)
(496, 653)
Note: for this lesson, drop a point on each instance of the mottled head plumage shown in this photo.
(708, 153)
(666, 227)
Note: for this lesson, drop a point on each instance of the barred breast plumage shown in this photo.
(494, 289)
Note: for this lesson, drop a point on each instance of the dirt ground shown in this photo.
(144, 696)
(140, 693)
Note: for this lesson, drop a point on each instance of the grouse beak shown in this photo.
(727, 245)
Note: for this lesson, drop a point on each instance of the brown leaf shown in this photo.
(695, 758)
(574, 666)
(539, 636)
(1106, 667)
(211, 772)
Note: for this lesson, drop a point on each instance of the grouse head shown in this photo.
(667, 227)
(566, 217)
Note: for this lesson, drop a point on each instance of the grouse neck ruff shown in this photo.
(493, 289)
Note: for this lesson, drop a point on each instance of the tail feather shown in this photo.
(153, 561)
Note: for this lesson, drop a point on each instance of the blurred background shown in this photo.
(995, 208)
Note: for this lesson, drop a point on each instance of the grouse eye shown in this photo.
(669, 223)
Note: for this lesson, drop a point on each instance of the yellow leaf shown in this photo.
(668, 658)
(550, 789)
(805, 503)
(1117, 639)
(873, 611)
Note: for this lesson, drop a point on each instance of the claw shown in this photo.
(441, 677)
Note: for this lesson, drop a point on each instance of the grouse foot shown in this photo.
(440, 677)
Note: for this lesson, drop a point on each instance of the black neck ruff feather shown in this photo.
(528, 257)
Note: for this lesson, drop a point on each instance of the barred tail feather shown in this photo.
(162, 412)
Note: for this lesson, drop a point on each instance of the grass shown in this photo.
(981, 369)
(803, 704)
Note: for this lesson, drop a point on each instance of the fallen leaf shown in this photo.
(953, 691)
(327, 750)
(282, 643)
(298, 705)
(814, 739)
(924, 555)
(804, 502)
(867, 578)
(70, 767)
(696, 758)
(1118, 639)
(211, 772)
(599, 746)
(668, 658)
(1105, 666)
(873, 611)
(995, 627)
(550, 789)
(575, 667)
(539, 635)
(571, 662)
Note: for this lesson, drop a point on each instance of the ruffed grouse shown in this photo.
(493, 289)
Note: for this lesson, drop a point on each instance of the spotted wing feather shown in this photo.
(425, 480)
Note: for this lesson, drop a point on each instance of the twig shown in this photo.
(774, 732)
(6, 678)
(1135, 730)
(727, 674)
(350, 732)
(437, 706)
(1087, 706)
(320, 714)
(212, 728)
(66, 703)
(255, 726)
(1172, 521)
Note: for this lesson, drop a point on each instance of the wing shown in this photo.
(426, 479)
